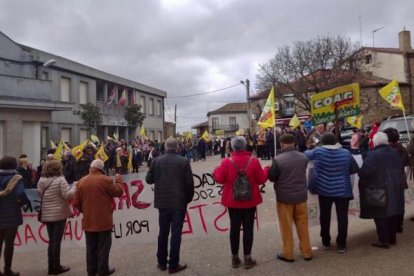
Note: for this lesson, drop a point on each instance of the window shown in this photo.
(232, 121)
(83, 135)
(45, 137)
(151, 106)
(65, 135)
(143, 105)
(135, 98)
(159, 136)
(65, 89)
(215, 123)
(158, 108)
(152, 135)
(289, 104)
(368, 59)
(83, 92)
(45, 75)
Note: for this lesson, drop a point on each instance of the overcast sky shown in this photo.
(185, 47)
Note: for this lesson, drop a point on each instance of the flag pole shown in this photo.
(406, 125)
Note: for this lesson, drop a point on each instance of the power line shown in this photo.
(209, 92)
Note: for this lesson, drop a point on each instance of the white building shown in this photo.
(228, 119)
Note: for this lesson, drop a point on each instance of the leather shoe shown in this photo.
(111, 271)
(280, 257)
(380, 245)
(60, 270)
(162, 267)
(178, 268)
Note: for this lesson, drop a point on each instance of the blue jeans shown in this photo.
(170, 218)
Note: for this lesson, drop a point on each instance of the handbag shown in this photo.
(39, 214)
(376, 197)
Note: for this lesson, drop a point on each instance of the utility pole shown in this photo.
(249, 116)
(175, 120)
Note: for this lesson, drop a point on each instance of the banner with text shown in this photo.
(344, 100)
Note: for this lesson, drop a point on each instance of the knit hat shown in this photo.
(98, 164)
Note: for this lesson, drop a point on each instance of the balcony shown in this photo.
(112, 115)
(226, 128)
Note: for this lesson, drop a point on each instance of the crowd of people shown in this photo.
(317, 151)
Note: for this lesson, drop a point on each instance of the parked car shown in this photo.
(399, 124)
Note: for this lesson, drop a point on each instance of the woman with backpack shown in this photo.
(241, 174)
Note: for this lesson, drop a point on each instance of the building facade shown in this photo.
(228, 119)
(41, 96)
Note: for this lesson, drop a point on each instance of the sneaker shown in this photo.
(341, 249)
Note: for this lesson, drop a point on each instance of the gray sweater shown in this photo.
(288, 172)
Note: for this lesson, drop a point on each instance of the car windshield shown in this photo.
(398, 124)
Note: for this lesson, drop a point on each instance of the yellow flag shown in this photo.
(78, 150)
(240, 132)
(219, 132)
(391, 93)
(267, 119)
(294, 122)
(65, 146)
(101, 154)
(355, 121)
(189, 135)
(205, 136)
(58, 153)
(142, 131)
(130, 167)
(95, 139)
(52, 145)
(116, 137)
(109, 138)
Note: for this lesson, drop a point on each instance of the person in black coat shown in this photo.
(381, 173)
(174, 189)
(69, 167)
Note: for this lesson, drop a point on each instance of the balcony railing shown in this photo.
(226, 127)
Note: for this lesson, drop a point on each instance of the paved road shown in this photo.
(211, 256)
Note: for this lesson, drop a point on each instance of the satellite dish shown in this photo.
(49, 62)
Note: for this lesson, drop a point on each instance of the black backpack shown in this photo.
(242, 190)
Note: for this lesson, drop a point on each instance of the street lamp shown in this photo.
(49, 62)
(373, 33)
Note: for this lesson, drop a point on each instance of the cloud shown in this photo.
(191, 46)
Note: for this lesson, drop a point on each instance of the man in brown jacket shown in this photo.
(94, 199)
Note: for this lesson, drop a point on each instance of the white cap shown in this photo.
(98, 164)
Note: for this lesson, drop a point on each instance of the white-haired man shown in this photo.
(94, 199)
(174, 189)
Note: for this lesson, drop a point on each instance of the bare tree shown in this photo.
(312, 66)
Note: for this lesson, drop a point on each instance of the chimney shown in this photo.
(404, 38)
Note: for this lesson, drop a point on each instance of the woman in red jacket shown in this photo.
(241, 212)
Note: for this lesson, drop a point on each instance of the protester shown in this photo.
(173, 190)
(12, 196)
(201, 147)
(24, 171)
(54, 192)
(39, 170)
(288, 172)
(355, 141)
(374, 129)
(94, 196)
(381, 175)
(121, 162)
(315, 136)
(69, 167)
(241, 213)
(331, 182)
(394, 142)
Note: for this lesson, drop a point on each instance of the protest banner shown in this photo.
(344, 100)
